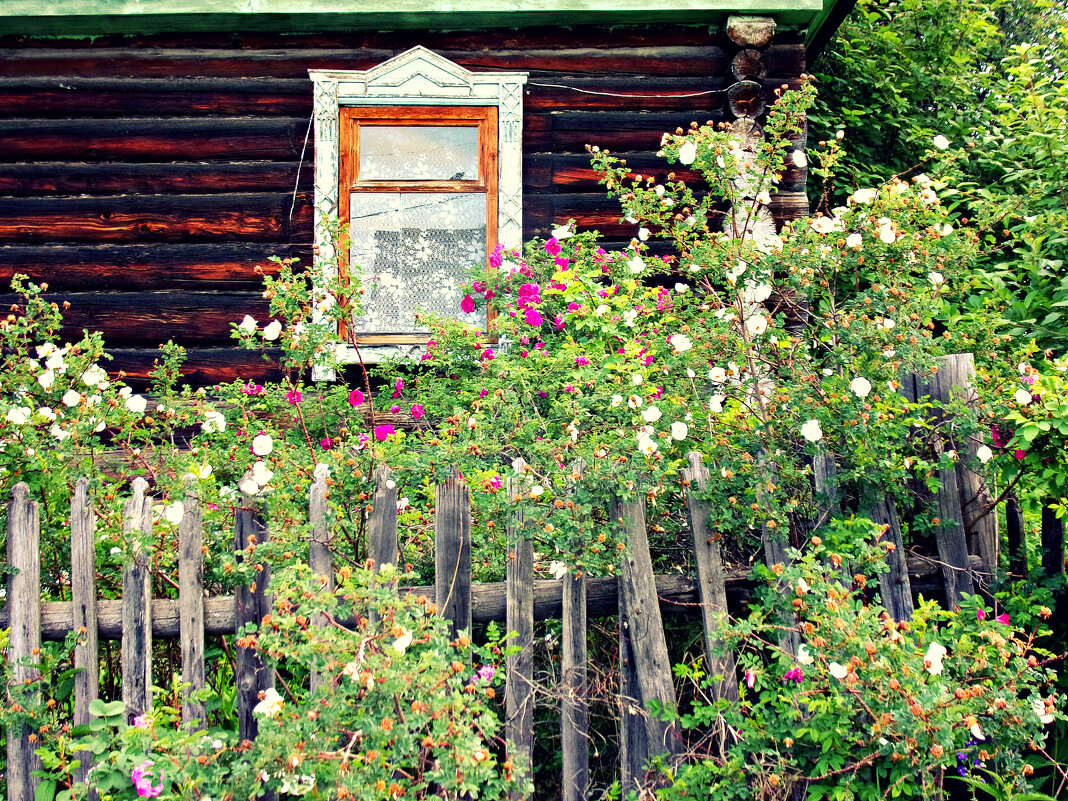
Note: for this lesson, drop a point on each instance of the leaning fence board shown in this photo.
(24, 639)
(452, 552)
(645, 629)
(706, 544)
(949, 537)
(252, 602)
(137, 604)
(519, 690)
(83, 605)
(382, 540)
(574, 709)
(1052, 542)
(633, 734)
(191, 607)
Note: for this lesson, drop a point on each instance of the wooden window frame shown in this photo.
(353, 118)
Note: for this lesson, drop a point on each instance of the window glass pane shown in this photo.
(418, 153)
(413, 249)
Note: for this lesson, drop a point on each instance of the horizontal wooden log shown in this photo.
(612, 130)
(40, 178)
(631, 93)
(255, 217)
(785, 60)
(37, 97)
(677, 594)
(149, 140)
(541, 212)
(80, 268)
(146, 319)
(204, 366)
(285, 62)
(572, 173)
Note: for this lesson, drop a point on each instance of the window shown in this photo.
(423, 159)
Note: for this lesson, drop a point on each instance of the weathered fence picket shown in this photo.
(382, 525)
(1052, 542)
(137, 604)
(713, 589)
(574, 708)
(191, 606)
(895, 586)
(452, 552)
(320, 553)
(24, 640)
(1016, 535)
(83, 606)
(252, 602)
(519, 689)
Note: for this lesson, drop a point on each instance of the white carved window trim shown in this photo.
(417, 77)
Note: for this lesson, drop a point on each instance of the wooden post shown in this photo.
(191, 606)
(713, 590)
(137, 604)
(383, 525)
(452, 554)
(519, 689)
(633, 734)
(320, 553)
(252, 602)
(641, 613)
(1052, 542)
(84, 608)
(24, 640)
(574, 709)
(1017, 536)
(894, 587)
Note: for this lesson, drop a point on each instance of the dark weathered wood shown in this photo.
(633, 734)
(785, 60)
(24, 639)
(249, 217)
(825, 480)
(84, 609)
(949, 537)
(147, 318)
(251, 603)
(452, 552)
(677, 594)
(574, 708)
(710, 580)
(614, 130)
(633, 92)
(121, 178)
(191, 606)
(1052, 541)
(1017, 536)
(645, 628)
(137, 603)
(519, 690)
(206, 365)
(751, 31)
(218, 266)
(382, 539)
(154, 140)
(746, 99)
(748, 64)
(895, 586)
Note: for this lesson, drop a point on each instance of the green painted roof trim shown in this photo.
(98, 17)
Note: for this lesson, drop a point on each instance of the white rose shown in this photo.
(687, 153)
(562, 231)
(864, 195)
(260, 474)
(717, 375)
(271, 705)
(174, 513)
(634, 401)
(71, 398)
(811, 431)
(681, 343)
(854, 241)
(651, 414)
(887, 235)
(803, 655)
(272, 331)
(47, 414)
(715, 403)
(537, 491)
(932, 660)
(860, 386)
(799, 159)
(679, 431)
(940, 142)
(403, 641)
(984, 454)
(248, 324)
(643, 234)
(636, 379)
(58, 432)
(1022, 396)
(617, 400)
(756, 324)
(94, 376)
(936, 279)
(636, 265)
(647, 446)
(136, 404)
(262, 445)
(19, 415)
(47, 379)
(837, 670)
(213, 422)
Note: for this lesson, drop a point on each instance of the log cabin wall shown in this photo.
(145, 178)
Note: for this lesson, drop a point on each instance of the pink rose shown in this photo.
(355, 397)
(382, 432)
(418, 411)
(467, 305)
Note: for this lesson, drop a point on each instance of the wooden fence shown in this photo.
(636, 595)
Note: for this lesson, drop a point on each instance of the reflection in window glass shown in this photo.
(413, 250)
(418, 153)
